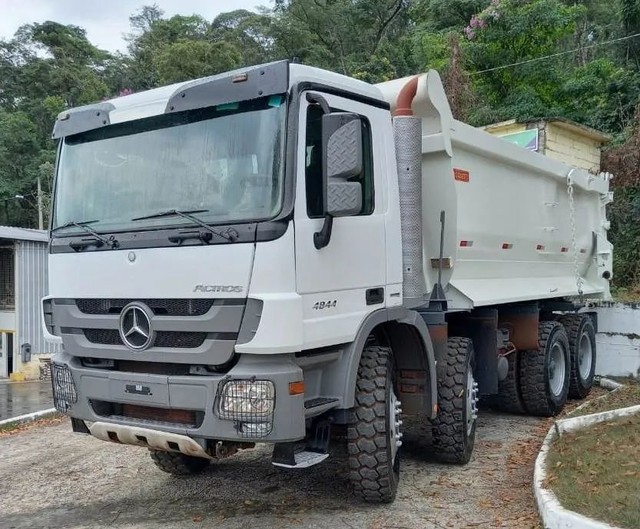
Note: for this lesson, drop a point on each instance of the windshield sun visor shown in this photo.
(240, 85)
(82, 119)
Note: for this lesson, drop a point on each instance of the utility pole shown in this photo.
(40, 215)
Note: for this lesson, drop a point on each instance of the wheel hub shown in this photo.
(472, 401)
(556, 369)
(395, 422)
(585, 357)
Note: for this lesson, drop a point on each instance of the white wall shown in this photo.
(618, 340)
(7, 320)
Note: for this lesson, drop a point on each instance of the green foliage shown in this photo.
(499, 59)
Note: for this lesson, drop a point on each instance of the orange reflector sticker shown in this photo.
(296, 388)
(564, 249)
(507, 246)
(540, 247)
(461, 175)
(466, 244)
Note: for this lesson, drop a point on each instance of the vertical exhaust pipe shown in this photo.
(407, 132)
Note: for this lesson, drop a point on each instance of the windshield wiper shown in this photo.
(229, 235)
(99, 240)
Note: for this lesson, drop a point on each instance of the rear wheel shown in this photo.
(509, 397)
(454, 428)
(582, 347)
(544, 374)
(178, 464)
(373, 437)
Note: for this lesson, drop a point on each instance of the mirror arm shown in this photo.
(321, 238)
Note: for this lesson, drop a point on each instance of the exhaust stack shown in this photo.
(407, 132)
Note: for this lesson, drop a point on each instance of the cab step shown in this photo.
(285, 455)
(304, 459)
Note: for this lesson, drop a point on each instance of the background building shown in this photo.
(23, 283)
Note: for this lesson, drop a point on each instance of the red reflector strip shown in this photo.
(564, 249)
(466, 244)
(540, 247)
(507, 246)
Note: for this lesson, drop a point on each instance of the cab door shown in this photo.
(344, 281)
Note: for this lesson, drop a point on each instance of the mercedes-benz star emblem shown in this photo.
(135, 327)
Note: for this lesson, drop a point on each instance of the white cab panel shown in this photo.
(154, 272)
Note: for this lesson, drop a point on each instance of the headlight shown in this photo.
(247, 400)
(64, 389)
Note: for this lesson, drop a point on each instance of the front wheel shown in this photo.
(373, 437)
(454, 428)
(178, 464)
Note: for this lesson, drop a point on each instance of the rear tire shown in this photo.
(373, 437)
(509, 397)
(544, 374)
(178, 464)
(454, 428)
(582, 347)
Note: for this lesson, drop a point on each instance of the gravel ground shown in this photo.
(50, 478)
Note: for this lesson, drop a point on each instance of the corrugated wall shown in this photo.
(32, 284)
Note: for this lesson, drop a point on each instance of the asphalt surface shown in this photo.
(20, 398)
(51, 478)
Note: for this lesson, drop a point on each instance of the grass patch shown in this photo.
(596, 471)
(624, 397)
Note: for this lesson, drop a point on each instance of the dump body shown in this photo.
(509, 220)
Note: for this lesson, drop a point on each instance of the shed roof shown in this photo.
(23, 234)
(564, 123)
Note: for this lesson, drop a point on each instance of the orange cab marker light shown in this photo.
(296, 388)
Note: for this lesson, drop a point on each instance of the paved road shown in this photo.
(19, 398)
(54, 479)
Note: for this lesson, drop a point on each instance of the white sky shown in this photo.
(106, 20)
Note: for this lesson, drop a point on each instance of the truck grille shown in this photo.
(167, 339)
(163, 307)
(148, 414)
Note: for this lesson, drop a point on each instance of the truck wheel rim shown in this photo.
(556, 369)
(395, 423)
(585, 357)
(472, 401)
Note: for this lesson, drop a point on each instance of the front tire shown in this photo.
(454, 428)
(373, 437)
(582, 346)
(178, 464)
(544, 374)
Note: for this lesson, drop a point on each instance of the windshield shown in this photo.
(225, 163)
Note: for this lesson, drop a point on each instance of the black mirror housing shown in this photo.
(342, 159)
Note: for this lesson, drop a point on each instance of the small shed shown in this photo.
(564, 140)
(23, 283)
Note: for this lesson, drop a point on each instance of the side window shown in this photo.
(313, 165)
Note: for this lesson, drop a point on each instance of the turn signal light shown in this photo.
(296, 388)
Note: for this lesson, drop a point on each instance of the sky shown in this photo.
(106, 20)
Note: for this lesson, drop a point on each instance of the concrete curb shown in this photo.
(553, 515)
(29, 417)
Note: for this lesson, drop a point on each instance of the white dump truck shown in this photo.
(281, 253)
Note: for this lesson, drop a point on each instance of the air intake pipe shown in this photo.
(407, 132)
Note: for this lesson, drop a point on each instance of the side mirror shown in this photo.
(342, 159)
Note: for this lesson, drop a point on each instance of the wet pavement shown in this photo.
(19, 398)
